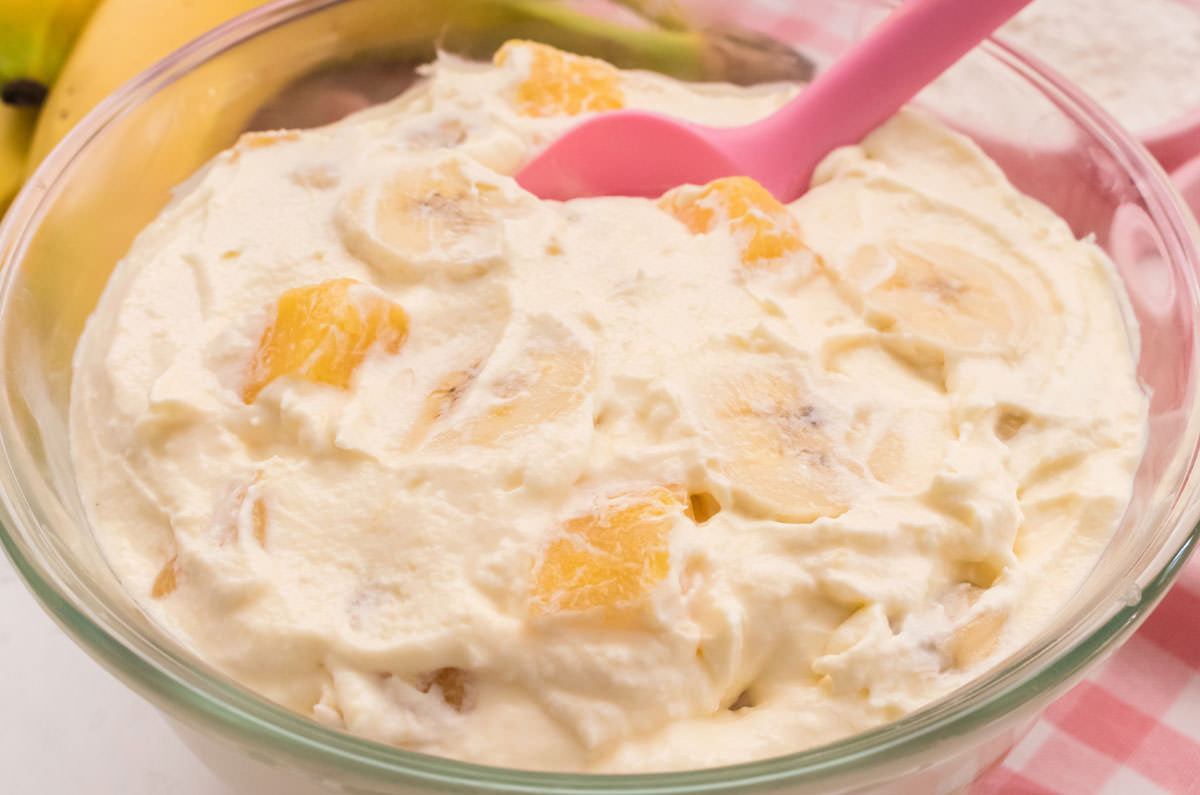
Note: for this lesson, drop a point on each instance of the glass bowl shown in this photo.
(115, 171)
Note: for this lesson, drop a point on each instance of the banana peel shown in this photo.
(671, 46)
(122, 38)
(36, 37)
(16, 132)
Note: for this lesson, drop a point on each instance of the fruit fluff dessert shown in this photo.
(613, 484)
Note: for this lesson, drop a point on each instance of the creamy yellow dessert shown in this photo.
(613, 484)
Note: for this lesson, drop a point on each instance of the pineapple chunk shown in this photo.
(561, 83)
(610, 557)
(456, 687)
(167, 580)
(322, 333)
(758, 221)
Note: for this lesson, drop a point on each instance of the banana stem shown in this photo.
(488, 23)
(734, 55)
(23, 93)
(36, 37)
(664, 13)
(16, 130)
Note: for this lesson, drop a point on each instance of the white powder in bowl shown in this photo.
(1140, 59)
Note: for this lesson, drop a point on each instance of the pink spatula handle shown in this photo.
(638, 153)
(907, 51)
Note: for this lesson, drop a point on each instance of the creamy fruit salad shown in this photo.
(612, 484)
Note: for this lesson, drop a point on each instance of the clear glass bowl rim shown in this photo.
(238, 714)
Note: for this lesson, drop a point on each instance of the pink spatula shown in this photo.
(636, 153)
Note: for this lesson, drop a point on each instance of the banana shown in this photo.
(16, 131)
(122, 38)
(241, 508)
(905, 426)
(735, 55)
(446, 394)
(669, 45)
(446, 218)
(944, 295)
(790, 455)
(548, 380)
(783, 450)
(35, 37)
(976, 627)
(454, 345)
(909, 451)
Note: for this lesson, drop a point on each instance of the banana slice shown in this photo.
(556, 83)
(944, 294)
(976, 627)
(441, 401)
(472, 134)
(609, 558)
(546, 386)
(241, 508)
(785, 451)
(548, 379)
(447, 219)
(909, 452)
(907, 424)
(322, 333)
(765, 232)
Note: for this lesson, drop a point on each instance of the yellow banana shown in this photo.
(35, 37)
(122, 38)
(16, 130)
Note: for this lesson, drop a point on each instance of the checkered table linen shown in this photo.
(1132, 727)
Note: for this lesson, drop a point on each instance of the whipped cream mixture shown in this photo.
(613, 484)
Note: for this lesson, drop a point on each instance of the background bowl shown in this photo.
(114, 173)
(1178, 141)
(1175, 143)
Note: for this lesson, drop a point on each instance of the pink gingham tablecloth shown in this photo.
(1133, 726)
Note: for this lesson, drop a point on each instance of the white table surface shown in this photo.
(69, 727)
